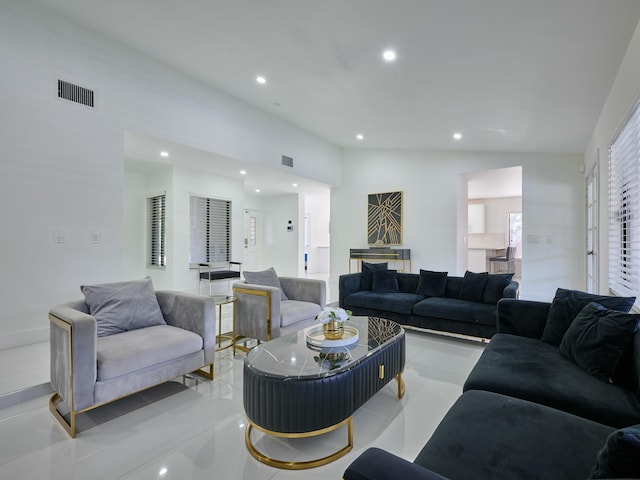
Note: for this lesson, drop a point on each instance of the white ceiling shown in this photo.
(510, 75)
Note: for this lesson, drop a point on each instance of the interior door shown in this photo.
(591, 197)
(252, 238)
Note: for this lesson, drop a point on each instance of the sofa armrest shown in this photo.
(525, 318)
(305, 290)
(254, 304)
(348, 284)
(191, 312)
(73, 345)
(511, 290)
(377, 464)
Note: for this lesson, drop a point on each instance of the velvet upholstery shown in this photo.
(620, 455)
(473, 286)
(446, 313)
(525, 318)
(432, 284)
(377, 464)
(494, 288)
(532, 370)
(567, 304)
(122, 306)
(596, 339)
(385, 281)
(366, 278)
(306, 298)
(267, 278)
(87, 370)
(534, 441)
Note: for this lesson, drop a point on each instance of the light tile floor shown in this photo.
(195, 430)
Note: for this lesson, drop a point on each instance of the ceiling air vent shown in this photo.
(75, 93)
(287, 161)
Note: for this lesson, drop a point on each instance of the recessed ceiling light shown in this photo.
(360, 136)
(257, 190)
(457, 136)
(243, 172)
(389, 55)
(295, 184)
(164, 154)
(261, 80)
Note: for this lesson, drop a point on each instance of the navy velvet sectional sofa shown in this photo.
(546, 400)
(428, 300)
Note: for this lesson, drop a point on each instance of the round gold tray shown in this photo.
(316, 338)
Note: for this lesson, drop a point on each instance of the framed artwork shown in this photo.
(384, 219)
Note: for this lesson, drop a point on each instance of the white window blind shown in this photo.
(156, 231)
(624, 209)
(210, 225)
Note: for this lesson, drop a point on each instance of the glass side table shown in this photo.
(220, 301)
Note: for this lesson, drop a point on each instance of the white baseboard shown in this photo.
(20, 339)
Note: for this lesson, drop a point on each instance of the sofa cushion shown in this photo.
(366, 279)
(266, 278)
(398, 302)
(294, 311)
(127, 352)
(620, 455)
(486, 436)
(596, 339)
(567, 304)
(473, 286)
(385, 281)
(122, 306)
(527, 368)
(494, 289)
(456, 309)
(454, 285)
(432, 284)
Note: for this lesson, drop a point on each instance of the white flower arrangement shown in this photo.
(337, 314)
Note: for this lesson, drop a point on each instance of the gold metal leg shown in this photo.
(272, 462)
(203, 373)
(70, 427)
(400, 385)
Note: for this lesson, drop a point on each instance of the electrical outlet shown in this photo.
(58, 237)
(95, 237)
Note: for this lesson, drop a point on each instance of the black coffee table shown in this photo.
(294, 390)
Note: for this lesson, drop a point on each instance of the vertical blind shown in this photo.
(624, 209)
(210, 235)
(156, 231)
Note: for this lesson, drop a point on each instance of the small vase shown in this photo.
(333, 330)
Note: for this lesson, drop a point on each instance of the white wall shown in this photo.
(552, 205)
(62, 165)
(622, 98)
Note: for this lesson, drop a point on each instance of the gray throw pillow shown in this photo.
(266, 278)
(122, 306)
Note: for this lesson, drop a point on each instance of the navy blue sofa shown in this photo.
(528, 412)
(447, 313)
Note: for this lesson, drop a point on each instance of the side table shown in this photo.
(220, 301)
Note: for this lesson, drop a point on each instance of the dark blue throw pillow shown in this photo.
(494, 289)
(620, 456)
(432, 284)
(568, 303)
(473, 286)
(596, 339)
(366, 279)
(385, 281)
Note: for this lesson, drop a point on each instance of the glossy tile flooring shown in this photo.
(187, 429)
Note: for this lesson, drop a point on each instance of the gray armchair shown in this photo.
(262, 314)
(88, 370)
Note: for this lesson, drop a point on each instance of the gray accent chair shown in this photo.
(260, 312)
(88, 371)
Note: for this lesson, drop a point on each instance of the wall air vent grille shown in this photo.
(75, 93)
(287, 161)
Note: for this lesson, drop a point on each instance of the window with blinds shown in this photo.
(210, 235)
(156, 231)
(624, 209)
